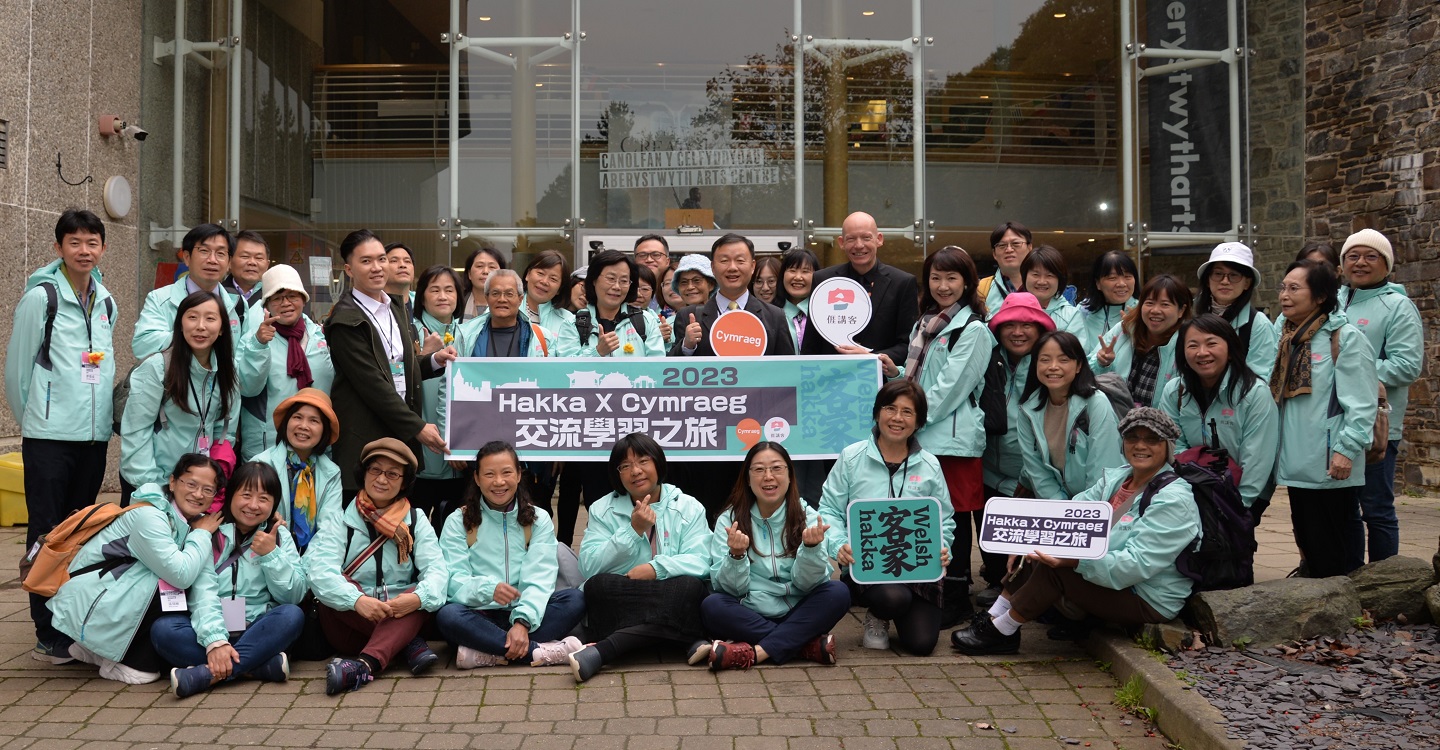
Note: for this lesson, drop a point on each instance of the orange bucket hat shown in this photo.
(312, 397)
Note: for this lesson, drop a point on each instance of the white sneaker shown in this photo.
(469, 658)
(877, 633)
(114, 670)
(80, 653)
(555, 652)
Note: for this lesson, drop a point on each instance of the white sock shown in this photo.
(1000, 607)
(1006, 624)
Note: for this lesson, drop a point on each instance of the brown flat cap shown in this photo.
(392, 449)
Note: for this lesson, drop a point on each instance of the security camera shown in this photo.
(135, 131)
(784, 246)
(597, 245)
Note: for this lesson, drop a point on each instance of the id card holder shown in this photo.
(89, 369)
(397, 374)
(202, 445)
(232, 609)
(171, 598)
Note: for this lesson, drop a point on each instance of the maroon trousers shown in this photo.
(350, 633)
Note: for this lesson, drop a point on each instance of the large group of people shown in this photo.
(303, 462)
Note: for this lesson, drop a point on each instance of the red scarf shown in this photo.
(296, 365)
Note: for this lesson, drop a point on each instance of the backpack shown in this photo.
(1223, 557)
(47, 566)
(637, 321)
(993, 401)
(120, 395)
(1244, 333)
(52, 307)
(1380, 432)
(1113, 385)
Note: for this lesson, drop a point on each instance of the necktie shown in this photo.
(733, 306)
(800, 327)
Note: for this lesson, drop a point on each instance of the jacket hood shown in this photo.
(1389, 287)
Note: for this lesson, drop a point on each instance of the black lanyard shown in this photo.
(384, 335)
(195, 397)
(234, 562)
(904, 471)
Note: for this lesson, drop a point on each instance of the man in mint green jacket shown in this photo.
(206, 251)
(1384, 312)
(59, 372)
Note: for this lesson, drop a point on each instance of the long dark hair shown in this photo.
(251, 475)
(1115, 261)
(222, 358)
(1175, 290)
(1083, 385)
(1203, 300)
(546, 260)
(742, 498)
(951, 259)
(469, 289)
(524, 508)
(428, 276)
(1241, 376)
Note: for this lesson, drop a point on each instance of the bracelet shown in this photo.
(734, 556)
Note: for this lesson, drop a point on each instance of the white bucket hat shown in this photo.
(691, 262)
(1233, 253)
(279, 279)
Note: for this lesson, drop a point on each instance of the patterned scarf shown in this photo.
(302, 494)
(1144, 371)
(389, 522)
(1291, 376)
(930, 326)
(296, 364)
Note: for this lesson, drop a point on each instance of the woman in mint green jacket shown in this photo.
(1114, 278)
(1227, 284)
(645, 559)
(113, 596)
(438, 486)
(610, 286)
(311, 494)
(1141, 348)
(500, 552)
(1326, 387)
(280, 351)
(182, 400)
(1066, 425)
(1218, 402)
(243, 608)
(774, 598)
(1043, 274)
(1136, 582)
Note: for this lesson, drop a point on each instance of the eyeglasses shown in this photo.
(376, 472)
(696, 280)
(643, 462)
(1365, 257)
(503, 294)
(655, 255)
(211, 252)
(892, 410)
(611, 279)
(1227, 277)
(194, 486)
(760, 471)
(1290, 289)
(1148, 438)
(644, 289)
(1012, 245)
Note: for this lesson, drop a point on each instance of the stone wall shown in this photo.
(63, 63)
(1372, 80)
(1275, 31)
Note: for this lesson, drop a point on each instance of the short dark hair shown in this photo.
(730, 238)
(1050, 260)
(1084, 384)
(426, 277)
(951, 259)
(470, 263)
(405, 482)
(647, 276)
(256, 474)
(639, 444)
(1322, 281)
(1013, 226)
(353, 240)
(202, 233)
(644, 238)
(1324, 248)
(545, 260)
(1115, 261)
(795, 258)
(893, 390)
(604, 259)
(190, 461)
(78, 220)
(250, 235)
(401, 246)
(325, 436)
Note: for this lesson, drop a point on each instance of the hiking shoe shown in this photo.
(469, 658)
(731, 655)
(114, 670)
(80, 653)
(555, 652)
(699, 651)
(585, 663)
(982, 638)
(275, 670)
(57, 652)
(821, 650)
(188, 681)
(877, 633)
(419, 656)
(344, 675)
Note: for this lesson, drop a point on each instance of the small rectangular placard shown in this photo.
(895, 540)
(1060, 528)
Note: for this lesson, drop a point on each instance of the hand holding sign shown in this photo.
(840, 308)
(814, 535)
(1051, 532)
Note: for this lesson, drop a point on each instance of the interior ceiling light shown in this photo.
(1059, 15)
(484, 18)
(867, 12)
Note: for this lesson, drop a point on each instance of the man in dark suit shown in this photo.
(732, 259)
(894, 295)
(377, 373)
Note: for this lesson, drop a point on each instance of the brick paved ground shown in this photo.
(870, 701)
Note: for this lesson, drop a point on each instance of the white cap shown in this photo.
(279, 279)
(1373, 240)
(691, 262)
(1233, 253)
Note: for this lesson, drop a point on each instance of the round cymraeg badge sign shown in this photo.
(748, 432)
(777, 429)
(738, 334)
(839, 309)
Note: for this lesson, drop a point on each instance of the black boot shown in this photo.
(987, 596)
(956, 607)
(982, 638)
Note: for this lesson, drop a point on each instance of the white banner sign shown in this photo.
(1078, 530)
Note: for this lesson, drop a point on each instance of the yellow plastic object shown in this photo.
(12, 490)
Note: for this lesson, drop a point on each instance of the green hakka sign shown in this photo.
(896, 540)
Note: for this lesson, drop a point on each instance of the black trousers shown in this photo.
(437, 498)
(1325, 523)
(578, 482)
(61, 476)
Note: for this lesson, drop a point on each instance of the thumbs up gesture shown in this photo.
(738, 541)
(266, 331)
(432, 343)
(1105, 355)
(814, 535)
(692, 333)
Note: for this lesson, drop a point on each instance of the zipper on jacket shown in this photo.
(505, 533)
(47, 399)
(91, 611)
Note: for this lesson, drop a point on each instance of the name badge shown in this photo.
(89, 369)
(171, 598)
(202, 445)
(232, 609)
(397, 375)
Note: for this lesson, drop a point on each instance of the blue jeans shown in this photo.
(485, 629)
(267, 636)
(728, 619)
(1377, 506)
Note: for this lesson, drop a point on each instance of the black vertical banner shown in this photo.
(1189, 120)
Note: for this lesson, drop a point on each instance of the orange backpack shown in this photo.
(47, 566)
